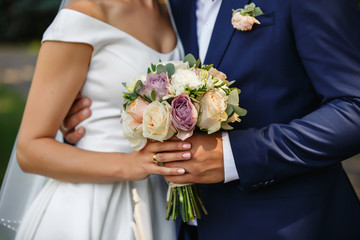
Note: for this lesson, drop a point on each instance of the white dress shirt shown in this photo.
(206, 13)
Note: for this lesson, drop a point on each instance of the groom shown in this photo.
(299, 72)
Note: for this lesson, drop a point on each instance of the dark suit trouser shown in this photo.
(188, 232)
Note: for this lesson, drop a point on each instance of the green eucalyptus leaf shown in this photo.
(149, 70)
(160, 69)
(226, 126)
(138, 86)
(250, 6)
(239, 111)
(124, 84)
(190, 59)
(249, 10)
(170, 69)
(233, 97)
(258, 12)
(153, 95)
(198, 63)
(229, 110)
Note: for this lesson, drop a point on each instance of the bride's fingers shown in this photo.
(168, 146)
(172, 156)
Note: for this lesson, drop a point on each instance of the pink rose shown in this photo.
(183, 116)
(157, 82)
(136, 109)
(217, 74)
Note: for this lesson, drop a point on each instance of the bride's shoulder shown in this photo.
(88, 7)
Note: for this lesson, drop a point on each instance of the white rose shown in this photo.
(177, 64)
(157, 121)
(212, 111)
(132, 131)
(183, 79)
(131, 84)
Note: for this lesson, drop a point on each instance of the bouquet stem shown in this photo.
(185, 200)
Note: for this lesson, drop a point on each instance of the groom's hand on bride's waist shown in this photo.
(206, 164)
(79, 111)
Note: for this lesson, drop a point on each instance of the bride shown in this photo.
(99, 189)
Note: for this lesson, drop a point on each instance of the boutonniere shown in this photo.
(244, 18)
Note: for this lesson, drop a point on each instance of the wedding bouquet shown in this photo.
(173, 99)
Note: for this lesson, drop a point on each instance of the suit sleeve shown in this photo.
(327, 35)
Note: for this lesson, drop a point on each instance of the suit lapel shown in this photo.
(184, 12)
(223, 32)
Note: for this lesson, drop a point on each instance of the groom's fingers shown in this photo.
(78, 105)
(72, 121)
(74, 136)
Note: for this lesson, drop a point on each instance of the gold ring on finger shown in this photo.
(155, 159)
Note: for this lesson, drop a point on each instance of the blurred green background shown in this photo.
(22, 23)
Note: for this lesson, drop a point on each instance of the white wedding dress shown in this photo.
(96, 211)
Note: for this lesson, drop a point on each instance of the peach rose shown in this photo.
(212, 111)
(243, 23)
(136, 109)
(157, 121)
(132, 131)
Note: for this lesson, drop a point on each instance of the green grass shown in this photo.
(11, 110)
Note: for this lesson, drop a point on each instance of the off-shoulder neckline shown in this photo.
(118, 30)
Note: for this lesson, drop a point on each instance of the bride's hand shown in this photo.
(148, 160)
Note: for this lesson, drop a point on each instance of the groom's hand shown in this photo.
(79, 111)
(206, 164)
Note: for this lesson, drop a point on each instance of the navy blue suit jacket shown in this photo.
(299, 72)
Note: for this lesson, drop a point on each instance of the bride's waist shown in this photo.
(104, 145)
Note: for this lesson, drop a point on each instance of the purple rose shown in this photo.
(157, 82)
(183, 116)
